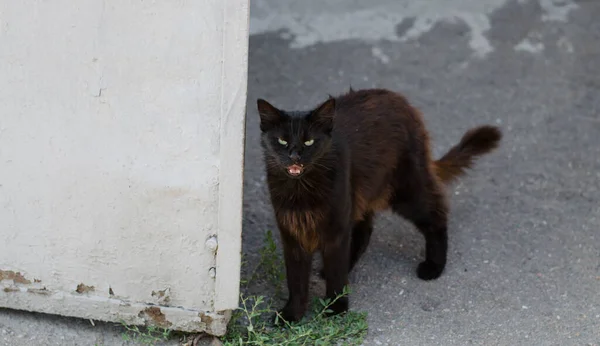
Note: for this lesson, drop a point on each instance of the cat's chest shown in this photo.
(301, 208)
(300, 221)
(303, 225)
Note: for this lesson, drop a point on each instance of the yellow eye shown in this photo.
(281, 141)
(309, 142)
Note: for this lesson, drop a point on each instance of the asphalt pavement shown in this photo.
(524, 258)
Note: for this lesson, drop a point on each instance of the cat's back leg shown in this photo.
(421, 200)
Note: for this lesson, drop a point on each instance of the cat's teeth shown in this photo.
(295, 169)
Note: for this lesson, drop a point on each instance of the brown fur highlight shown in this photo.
(475, 142)
(302, 226)
(363, 206)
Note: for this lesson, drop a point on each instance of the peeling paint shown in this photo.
(37, 280)
(208, 320)
(159, 294)
(81, 288)
(17, 277)
(115, 310)
(155, 315)
(163, 296)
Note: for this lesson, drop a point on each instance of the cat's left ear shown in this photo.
(269, 115)
(323, 115)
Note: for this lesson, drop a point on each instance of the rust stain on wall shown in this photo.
(163, 296)
(17, 277)
(81, 288)
(205, 319)
(155, 315)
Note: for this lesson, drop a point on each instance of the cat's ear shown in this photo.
(269, 115)
(323, 115)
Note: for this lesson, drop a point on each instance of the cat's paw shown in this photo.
(287, 315)
(429, 270)
(339, 307)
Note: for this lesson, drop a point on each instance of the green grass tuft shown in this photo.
(270, 267)
(145, 336)
(253, 325)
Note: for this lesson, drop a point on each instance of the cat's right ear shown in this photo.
(323, 115)
(269, 115)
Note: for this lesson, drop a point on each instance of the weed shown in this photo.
(146, 336)
(253, 326)
(244, 262)
(252, 323)
(270, 267)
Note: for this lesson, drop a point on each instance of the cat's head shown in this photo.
(294, 142)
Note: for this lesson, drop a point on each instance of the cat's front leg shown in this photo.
(336, 258)
(297, 265)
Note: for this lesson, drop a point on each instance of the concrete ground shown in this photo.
(524, 260)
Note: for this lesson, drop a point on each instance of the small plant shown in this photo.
(146, 336)
(272, 262)
(253, 326)
(244, 262)
(252, 323)
(270, 267)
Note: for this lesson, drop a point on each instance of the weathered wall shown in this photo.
(121, 152)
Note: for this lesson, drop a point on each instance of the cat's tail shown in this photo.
(475, 142)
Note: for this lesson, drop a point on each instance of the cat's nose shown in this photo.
(294, 156)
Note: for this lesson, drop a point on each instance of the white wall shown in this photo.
(121, 153)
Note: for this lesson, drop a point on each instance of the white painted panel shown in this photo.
(117, 119)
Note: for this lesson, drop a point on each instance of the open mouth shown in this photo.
(295, 170)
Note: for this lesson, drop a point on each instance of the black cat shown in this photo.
(330, 169)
